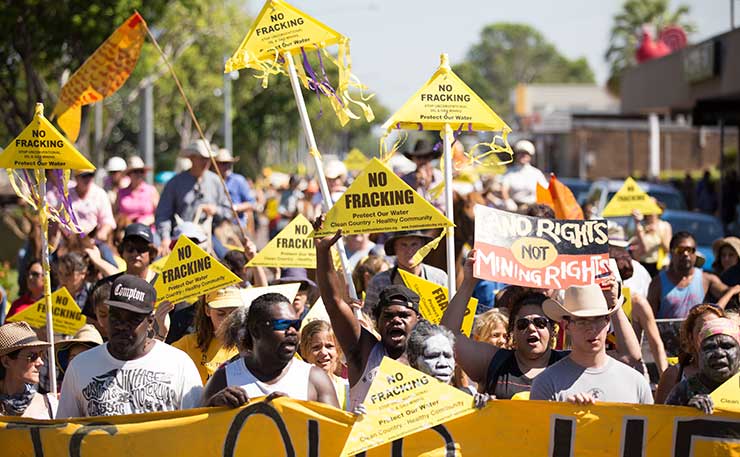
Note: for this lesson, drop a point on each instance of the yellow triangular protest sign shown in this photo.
(446, 99)
(40, 145)
(316, 313)
(727, 396)
(402, 401)
(434, 300)
(67, 316)
(191, 271)
(289, 290)
(279, 28)
(356, 160)
(379, 201)
(630, 197)
(292, 247)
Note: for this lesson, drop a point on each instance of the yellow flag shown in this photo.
(402, 401)
(67, 316)
(292, 247)
(103, 73)
(630, 197)
(379, 201)
(434, 301)
(40, 145)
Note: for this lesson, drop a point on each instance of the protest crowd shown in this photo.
(211, 289)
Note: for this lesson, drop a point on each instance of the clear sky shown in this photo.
(396, 43)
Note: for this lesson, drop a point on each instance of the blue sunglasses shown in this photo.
(284, 324)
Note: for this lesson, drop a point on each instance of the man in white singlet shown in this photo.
(396, 314)
(267, 337)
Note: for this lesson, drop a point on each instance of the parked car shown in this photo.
(579, 187)
(602, 191)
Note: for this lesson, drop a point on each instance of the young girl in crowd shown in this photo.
(319, 347)
(492, 327)
(205, 346)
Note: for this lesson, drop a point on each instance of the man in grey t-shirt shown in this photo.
(588, 374)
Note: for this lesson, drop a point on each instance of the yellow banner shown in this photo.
(67, 316)
(434, 301)
(294, 428)
(379, 201)
(190, 271)
(727, 396)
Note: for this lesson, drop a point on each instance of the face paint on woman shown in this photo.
(437, 358)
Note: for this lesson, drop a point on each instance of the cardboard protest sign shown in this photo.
(67, 316)
(434, 300)
(535, 252)
(40, 145)
(292, 247)
(191, 271)
(280, 27)
(379, 201)
(288, 290)
(402, 401)
(316, 313)
(727, 396)
(356, 160)
(630, 197)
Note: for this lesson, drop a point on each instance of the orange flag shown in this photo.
(560, 198)
(103, 73)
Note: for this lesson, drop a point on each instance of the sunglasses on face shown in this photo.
(142, 249)
(539, 322)
(34, 356)
(284, 324)
(683, 250)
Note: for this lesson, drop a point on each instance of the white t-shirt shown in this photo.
(97, 384)
(293, 381)
(640, 280)
(522, 183)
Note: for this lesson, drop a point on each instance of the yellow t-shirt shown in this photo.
(207, 363)
(341, 386)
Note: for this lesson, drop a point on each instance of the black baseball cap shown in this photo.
(398, 295)
(140, 230)
(133, 294)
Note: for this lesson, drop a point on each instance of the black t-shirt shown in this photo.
(505, 379)
(731, 277)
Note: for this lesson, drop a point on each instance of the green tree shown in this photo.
(508, 54)
(627, 30)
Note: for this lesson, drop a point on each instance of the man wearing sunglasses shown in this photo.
(132, 373)
(681, 286)
(588, 374)
(266, 335)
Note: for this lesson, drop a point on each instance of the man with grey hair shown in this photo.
(188, 191)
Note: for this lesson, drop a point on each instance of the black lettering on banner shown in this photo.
(686, 430)
(313, 438)
(240, 419)
(75, 443)
(562, 431)
(633, 436)
(397, 445)
(35, 429)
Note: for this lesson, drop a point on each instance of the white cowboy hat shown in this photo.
(580, 301)
(224, 156)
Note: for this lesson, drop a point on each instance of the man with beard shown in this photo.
(132, 373)
(719, 360)
(680, 287)
(396, 314)
(588, 374)
(267, 337)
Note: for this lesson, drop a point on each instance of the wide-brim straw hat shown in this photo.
(424, 149)
(580, 301)
(87, 335)
(390, 243)
(19, 335)
(136, 163)
(199, 148)
(228, 297)
(731, 241)
(224, 156)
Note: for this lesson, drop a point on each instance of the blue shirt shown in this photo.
(240, 191)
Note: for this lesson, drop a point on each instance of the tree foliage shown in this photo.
(508, 54)
(626, 32)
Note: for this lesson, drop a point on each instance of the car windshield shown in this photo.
(669, 199)
(704, 231)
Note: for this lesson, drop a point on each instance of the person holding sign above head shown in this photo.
(589, 374)
(267, 338)
(681, 286)
(396, 314)
(520, 180)
(425, 178)
(205, 346)
(196, 188)
(404, 245)
(719, 360)
(132, 373)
